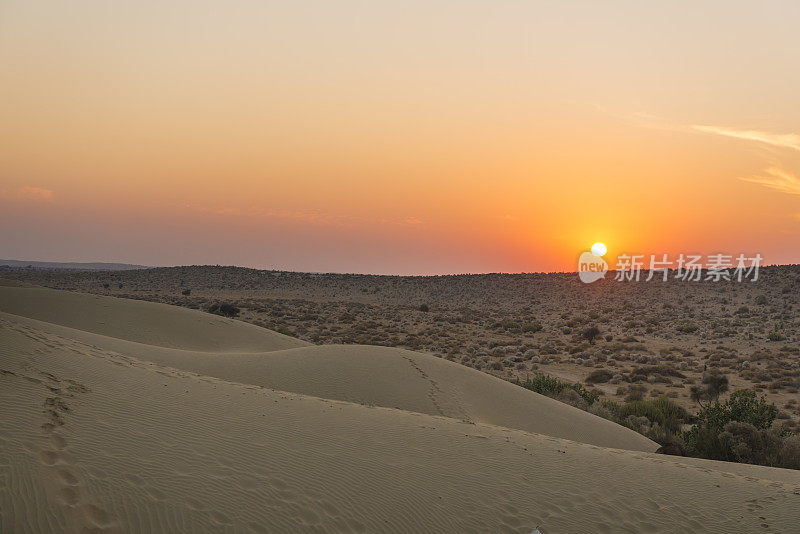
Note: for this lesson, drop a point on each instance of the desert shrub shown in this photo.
(704, 440)
(789, 457)
(713, 385)
(687, 328)
(601, 410)
(599, 376)
(424, 308)
(285, 331)
(665, 412)
(591, 334)
(553, 387)
(761, 300)
(225, 309)
(573, 398)
(635, 393)
(186, 292)
(655, 373)
(743, 442)
(637, 423)
(658, 419)
(531, 328)
(775, 336)
(664, 436)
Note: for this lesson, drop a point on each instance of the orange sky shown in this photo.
(411, 137)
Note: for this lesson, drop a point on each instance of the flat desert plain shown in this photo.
(123, 415)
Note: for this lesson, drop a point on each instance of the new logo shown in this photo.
(591, 265)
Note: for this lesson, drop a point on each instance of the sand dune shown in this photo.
(142, 322)
(375, 376)
(95, 435)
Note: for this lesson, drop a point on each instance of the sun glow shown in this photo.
(599, 249)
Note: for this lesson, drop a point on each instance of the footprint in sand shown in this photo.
(68, 496)
(219, 517)
(96, 515)
(59, 443)
(48, 457)
(194, 504)
(67, 476)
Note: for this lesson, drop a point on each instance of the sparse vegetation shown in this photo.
(591, 334)
(660, 419)
(553, 387)
(599, 376)
(714, 384)
(738, 429)
(225, 309)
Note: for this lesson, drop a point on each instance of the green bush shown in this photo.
(591, 334)
(789, 456)
(743, 442)
(508, 324)
(703, 439)
(599, 376)
(635, 393)
(531, 328)
(662, 411)
(225, 309)
(553, 387)
(659, 419)
(714, 385)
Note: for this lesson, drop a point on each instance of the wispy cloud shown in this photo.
(27, 193)
(411, 221)
(780, 140)
(774, 177)
(777, 179)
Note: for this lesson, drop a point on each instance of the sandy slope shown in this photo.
(379, 376)
(97, 439)
(144, 322)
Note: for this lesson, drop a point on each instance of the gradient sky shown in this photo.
(404, 137)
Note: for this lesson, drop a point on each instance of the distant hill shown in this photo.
(49, 265)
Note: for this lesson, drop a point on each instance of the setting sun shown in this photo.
(599, 249)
